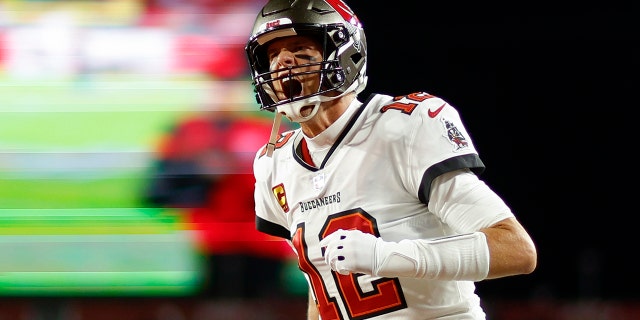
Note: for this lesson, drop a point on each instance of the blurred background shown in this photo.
(127, 129)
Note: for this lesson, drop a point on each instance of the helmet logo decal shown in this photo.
(346, 12)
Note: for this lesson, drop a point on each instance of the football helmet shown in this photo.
(344, 49)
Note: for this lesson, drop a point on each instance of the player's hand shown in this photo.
(353, 251)
(350, 251)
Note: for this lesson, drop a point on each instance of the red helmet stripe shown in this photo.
(344, 10)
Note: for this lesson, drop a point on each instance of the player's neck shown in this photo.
(329, 112)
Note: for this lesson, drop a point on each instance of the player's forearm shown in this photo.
(463, 257)
(511, 248)
(501, 250)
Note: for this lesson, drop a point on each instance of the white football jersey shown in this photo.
(376, 177)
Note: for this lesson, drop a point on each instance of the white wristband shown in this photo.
(463, 257)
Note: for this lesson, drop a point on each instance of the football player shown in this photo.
(379, 198)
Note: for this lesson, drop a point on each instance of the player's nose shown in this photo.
(285, 58)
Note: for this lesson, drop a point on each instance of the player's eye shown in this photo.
(272, 55)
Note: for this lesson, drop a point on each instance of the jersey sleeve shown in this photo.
(269, 217)
(465, 202)
(438, 143)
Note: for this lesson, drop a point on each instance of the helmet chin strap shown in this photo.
(273, 137)
(297, 117)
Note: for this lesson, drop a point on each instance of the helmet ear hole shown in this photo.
(339, 36)
(356, 58)
(332, 80)
(336, 78)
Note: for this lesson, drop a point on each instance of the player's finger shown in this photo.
(332, 254)
(343, 271)
(331, 238)
(337, 262)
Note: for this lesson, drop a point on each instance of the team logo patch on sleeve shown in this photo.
(454, 135)
(281, 196)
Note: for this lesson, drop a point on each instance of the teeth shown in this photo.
(291, 88)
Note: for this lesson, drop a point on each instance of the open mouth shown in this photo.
(291, 88)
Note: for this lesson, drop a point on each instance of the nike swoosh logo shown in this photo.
(433, 114)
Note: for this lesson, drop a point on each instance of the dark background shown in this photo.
(544, 92)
